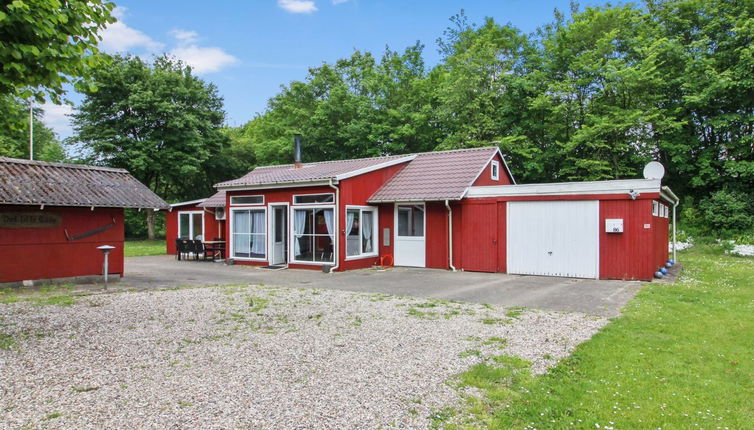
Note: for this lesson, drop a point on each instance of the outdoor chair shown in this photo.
(178, 248)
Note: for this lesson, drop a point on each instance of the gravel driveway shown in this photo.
(257, 357)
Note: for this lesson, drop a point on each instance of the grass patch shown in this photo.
(679, 357)
(84, 389)
(53, 415)
(494, 321)
(46, 295)
(514, 312)
(6, 341)
(141, 248)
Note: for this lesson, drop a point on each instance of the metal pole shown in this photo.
(674, 257)
(107, 254)
(31, 131)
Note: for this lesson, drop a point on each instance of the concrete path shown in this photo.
(596, 297)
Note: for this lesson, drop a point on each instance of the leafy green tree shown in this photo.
(47, 44)
(157, 120)
(14, 141)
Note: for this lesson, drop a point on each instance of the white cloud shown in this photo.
(119, 37)
(56, 117)
(336, 2)
(298, 6)
(201, 59)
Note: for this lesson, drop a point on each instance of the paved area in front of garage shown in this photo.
(596, 297)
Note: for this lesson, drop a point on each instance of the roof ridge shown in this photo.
(481, 148)
(61, 165)
(336, 161)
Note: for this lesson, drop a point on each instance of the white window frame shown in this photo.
(248, 204)
(495, 170)
(332, 203)
(191, 224)
(271, 234)
(424, 229)
(230, 252)
(375, 228)
(292, 235)
(655, 208)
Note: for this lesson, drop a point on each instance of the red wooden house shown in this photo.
(195, 219)
(53, 216)
(449, 210)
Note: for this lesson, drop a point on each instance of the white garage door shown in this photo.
(555, 238)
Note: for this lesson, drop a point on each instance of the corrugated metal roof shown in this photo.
(308, 172)
(216, 201)
(25, 182)
(442, 175)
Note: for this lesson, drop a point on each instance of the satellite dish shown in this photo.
(654, 170)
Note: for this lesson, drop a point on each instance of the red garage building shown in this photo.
(452, 210)
(53, 216)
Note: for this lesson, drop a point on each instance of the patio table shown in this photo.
(217, 247)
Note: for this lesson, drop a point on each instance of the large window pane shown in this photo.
(249, 234)
(313, 235)
(353, 232)
(197, 227)
(184, 226)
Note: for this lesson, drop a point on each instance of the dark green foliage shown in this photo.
(727, 212)
(49, 43)
(136, 228)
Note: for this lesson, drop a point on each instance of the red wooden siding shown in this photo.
(355, 191)
(436, 235)
(627, 255)
(46, 253)
(480, 237)
(212, 227)
(486, 177)
(661, 239)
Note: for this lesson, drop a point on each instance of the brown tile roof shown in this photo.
(25, 182)
(216, 201)
(442, 175)
(308, 172)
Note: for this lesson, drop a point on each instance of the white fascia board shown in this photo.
(375, 167)
(272, 185)
(186, 203)
(621, 186)
(452, 199)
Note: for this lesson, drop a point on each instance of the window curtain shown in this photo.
(258, 236)
(349, 221)
(241, 226)
(299, 223)
(328, 222)
(366, 230)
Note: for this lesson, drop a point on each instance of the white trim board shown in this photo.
(186, 203)
(620, 186)
(375, 167)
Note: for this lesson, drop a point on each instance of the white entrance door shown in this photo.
(554, 238)
(279, 230)
(410, 245)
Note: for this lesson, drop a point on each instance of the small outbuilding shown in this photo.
(53, 216)
(459, 210)
(202, 219)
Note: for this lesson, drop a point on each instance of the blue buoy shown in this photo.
(664, 271)
(671, 261)
(668, 265)
(658, 274)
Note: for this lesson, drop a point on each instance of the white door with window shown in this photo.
(278, 233)
(410, 245)
(554, 238)
(191, 225)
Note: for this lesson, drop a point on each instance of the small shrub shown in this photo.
(727, 212)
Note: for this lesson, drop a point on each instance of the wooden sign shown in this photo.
(29, 220)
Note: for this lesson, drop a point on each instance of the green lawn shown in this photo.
(139, 248)
(681, 357)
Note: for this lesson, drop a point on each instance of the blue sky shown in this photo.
(250, 48)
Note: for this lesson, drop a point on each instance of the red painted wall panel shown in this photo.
(627, 255)
(480, 236)
(355, 192)
(212, 227)
(44, 253)
(486, 177)
(436, 235)
(661, 240)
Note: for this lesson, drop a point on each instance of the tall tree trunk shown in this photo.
(151, 214)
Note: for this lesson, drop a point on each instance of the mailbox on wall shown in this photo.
(614, 225)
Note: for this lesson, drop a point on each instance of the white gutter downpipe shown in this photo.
(676, 200)
(336, 227)
(450, 236)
